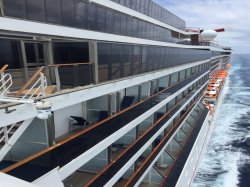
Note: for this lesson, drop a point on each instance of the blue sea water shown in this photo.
(227, 161)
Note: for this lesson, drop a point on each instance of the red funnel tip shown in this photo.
(220, 30)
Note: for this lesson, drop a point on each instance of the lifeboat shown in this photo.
(228, 66)
(214, 84)
(217, 79)
(212, 90)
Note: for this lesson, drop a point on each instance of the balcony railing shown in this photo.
(176, 169)
(31, 83)
(107, 173)
(62, 153)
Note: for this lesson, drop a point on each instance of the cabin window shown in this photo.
(70, 52)
(68, 12)
(53, 11)
(15, 8)
(81, 13)
(10, 53)
(36, 10)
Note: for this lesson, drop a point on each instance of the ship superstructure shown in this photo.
(103, 93)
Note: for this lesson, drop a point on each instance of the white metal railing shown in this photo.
(5, 131)
(11, 136)
(37, 89)
(5, 83)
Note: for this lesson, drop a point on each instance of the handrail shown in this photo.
(4, 68)
(204, 111)
(41, 87)
(73, 64)
(37, 73)
(136, 141)
(163, 141)
(75, 135)
(22, 162)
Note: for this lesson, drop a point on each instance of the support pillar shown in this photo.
(93, 58)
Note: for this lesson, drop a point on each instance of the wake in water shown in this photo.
(228, 156)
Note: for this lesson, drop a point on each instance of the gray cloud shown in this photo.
(233, 15)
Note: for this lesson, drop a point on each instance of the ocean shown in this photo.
(227, 161)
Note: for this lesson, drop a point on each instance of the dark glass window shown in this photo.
(140, 28)
(81, 13)
(91, 16)
(53, 11)
(36, 10)
(124, 25)
(145, 67)
(123, 2)
(101, 19)
(115, 60)
(117, 23)
(10, 53)
(126, 61)
(130, 26)
(34, 53)
(104, 69)
(15, 8)
(109, 21)
(68, 12)
(135, 27)
(120, 60)
(133, 4)
(136, 60)
(128, 3)
(70, 52)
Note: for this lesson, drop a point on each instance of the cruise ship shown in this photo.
(105, 93)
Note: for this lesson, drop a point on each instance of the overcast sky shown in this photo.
(233, 15)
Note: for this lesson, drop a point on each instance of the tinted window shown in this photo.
(135, 27)
(81, 13)
(10, 53)
(109, 21)
(104, 54)
(117, 23)
(36, 10)
(101, 19)
(15, 8)
(91, 16)
(124, 25)
(68, 12)
(70, 52)
(53, 11)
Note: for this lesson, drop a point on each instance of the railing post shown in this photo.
(42, 79)
(3, 82)
(93, 58)
(1, 8)
(58, 83)
(5, 132)
(76, 75)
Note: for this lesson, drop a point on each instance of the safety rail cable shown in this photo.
(138, 173)
(101, 177)
(6, 82)
(110, 123)
(7, 132)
